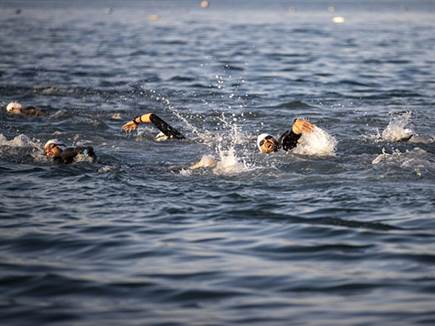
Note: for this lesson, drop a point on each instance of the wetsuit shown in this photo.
(289, 140)
(69, 154)
(163, 126)
(32, 111)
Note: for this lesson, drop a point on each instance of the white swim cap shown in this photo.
(260, 138)
(14, 106)
(54, 142)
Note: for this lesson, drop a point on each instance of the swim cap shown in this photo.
(267, 143)
(260, 138)
(54, 142)
(14, 106)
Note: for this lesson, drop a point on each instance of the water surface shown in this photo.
(135, 239)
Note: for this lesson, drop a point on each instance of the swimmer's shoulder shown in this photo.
(70, 153)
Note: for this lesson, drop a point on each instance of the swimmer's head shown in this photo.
(14, 107)
(267, 143)
(53, 148)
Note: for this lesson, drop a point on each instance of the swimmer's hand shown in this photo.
(133, 124)
(301, 126)
(130, 126)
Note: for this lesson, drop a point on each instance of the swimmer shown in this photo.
(17, 109)
(57, 151)
(166, 131)
(268, 144)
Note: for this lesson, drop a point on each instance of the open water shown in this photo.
(346, 238)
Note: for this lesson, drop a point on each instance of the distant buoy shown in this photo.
(338, 20)
(153, 18)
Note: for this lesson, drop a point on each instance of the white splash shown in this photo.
(318, 143)
(185, 172)
(396, 129)
(229, 145)
(228, 163)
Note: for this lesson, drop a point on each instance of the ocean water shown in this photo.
(342, 238)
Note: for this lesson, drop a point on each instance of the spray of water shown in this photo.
(317, 143)
(397, 130)
(231, 148)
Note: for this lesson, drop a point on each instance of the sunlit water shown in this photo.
(340, 232)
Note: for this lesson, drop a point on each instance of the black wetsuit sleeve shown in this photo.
(70, 153)
(165, 128)
(288, 140)
(33, 111)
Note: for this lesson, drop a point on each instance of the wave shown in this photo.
(294, 105)
(21, 149)
(417, 160)
(19, 141)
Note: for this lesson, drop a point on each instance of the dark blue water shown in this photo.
(286, 239)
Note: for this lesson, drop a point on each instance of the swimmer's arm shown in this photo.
(133, 124)
(290, 138)
(68, 155)
(163, 126)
